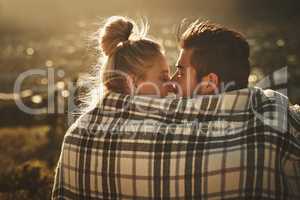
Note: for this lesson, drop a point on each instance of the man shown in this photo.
(212, 59)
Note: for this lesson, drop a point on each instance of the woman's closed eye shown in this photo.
(165, 78)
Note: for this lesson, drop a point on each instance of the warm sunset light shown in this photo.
(139, 99)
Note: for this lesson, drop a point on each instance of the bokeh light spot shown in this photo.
(29, 51)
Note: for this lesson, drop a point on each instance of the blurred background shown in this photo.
(57, 35)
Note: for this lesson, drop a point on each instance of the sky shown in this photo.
(38, 12)
(58, 13)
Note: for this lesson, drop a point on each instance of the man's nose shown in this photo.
(173, 77)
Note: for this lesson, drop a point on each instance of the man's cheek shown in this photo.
(184, 86)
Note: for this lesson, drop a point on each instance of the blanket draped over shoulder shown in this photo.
(243, 144)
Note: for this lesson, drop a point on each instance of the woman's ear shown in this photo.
(135, 81)
(131, 84)
(210, 84)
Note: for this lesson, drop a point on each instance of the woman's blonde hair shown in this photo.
(129, 53)
(126, 52)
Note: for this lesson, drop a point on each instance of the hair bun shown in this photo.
(116, 29)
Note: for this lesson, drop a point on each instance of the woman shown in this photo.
(133, 64)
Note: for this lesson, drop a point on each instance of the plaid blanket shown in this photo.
(243, 144)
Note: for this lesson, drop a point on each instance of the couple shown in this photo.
(218, 139)
(210, 55)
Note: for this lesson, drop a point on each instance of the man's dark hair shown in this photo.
(218, 50)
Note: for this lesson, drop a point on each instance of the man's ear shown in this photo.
(210, 84)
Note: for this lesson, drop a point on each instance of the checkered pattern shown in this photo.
(243, 144)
